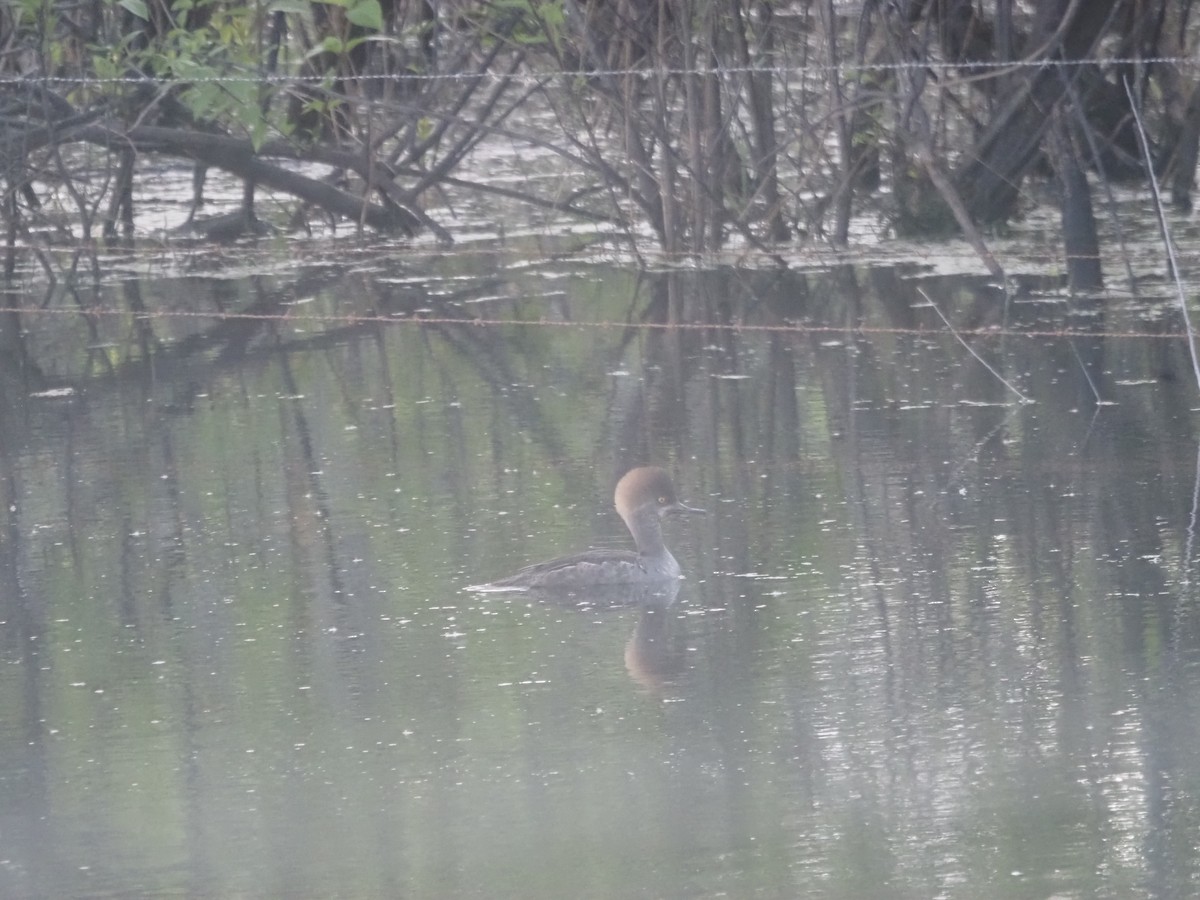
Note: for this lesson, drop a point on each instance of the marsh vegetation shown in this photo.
(684, 125)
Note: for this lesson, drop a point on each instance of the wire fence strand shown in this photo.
(356, 319)
(536, 77)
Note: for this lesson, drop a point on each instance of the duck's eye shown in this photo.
(662, 501)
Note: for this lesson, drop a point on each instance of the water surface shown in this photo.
(933, 642)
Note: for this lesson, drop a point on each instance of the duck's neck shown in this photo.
(646, 528)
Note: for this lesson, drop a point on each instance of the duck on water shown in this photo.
(644, 497)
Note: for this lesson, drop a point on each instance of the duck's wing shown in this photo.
(592, 567)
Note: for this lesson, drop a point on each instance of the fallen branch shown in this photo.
(240, 158)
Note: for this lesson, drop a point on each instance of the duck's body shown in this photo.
(643, 498)
(598, 568)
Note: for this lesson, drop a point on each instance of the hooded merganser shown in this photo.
(643, 498)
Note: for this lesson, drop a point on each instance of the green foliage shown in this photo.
(366, 14)
(213, 51)
(363, 13)
(335, 45)
(29, 13)
(33, 18)
(529, 23)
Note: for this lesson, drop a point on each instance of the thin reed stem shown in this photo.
(1021, 397)
(1164, 230)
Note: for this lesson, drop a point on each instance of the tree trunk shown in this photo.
(989, 181)
(1080, 240)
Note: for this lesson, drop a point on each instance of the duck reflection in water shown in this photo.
(654, 658)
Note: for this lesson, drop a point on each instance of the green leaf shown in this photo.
(366, 14)
(137, 7)
(258, 133)
(331, 44)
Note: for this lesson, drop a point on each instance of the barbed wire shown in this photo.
(355, 319)
(648, 72)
